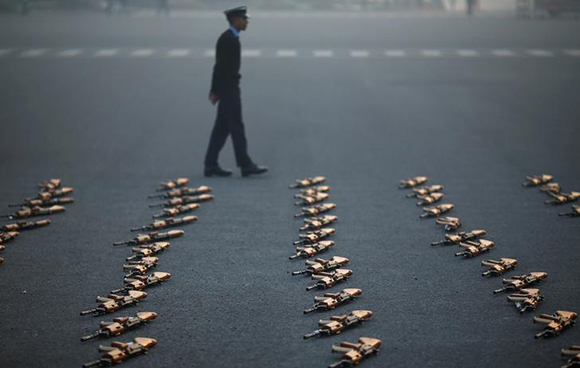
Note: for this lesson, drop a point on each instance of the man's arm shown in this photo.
(221, 58)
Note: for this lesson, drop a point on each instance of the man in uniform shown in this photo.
(225, 88)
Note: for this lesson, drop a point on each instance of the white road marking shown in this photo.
(5, 52)
(106, 52)
(142, 52)
(572, 52)
(503, 53)
(209, 53)
(540, 53)
(178, 53)
(467, 53)
(432, 53)
(70, 53)
(323, 53)
(251, 53)
(286, 53)
(33, 53)
(360, 53)
(395, 53)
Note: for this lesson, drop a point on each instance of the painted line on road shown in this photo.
(572, 52)
(106, 52)
(142, 52)
(286, 53)
(178, 53)
(323, 53)
(33, 53)
(70, 53)
(468, 53)
(126, 52)
(432, 53)
(251, 53)
(503, 53)
(359, 53)
(395, 53)
(540, 53)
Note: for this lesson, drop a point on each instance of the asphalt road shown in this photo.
(114, 126)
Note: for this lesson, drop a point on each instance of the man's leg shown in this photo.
(219, 134)
(237, 129)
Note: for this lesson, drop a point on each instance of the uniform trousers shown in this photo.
(228, 121)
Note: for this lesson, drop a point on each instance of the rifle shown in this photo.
(312, 191)
(307, 182)
(498, 267)
(520, 282)
(423, 191)
(551, 188)
(322, 265)
(24, 225)
(36, 202)
(140, 282)
(152, 237)
(555, 323)
(312, 249)
(182, 192)
(562, 198)
(526, 299)
(315, 210)
(337, 324)
(316, 223)
(172, 184)
(120, 325)
(141, 266)
(174, 211)
(475, 248)
(353, 354)
(452, 239)
(55, 193)
(147, 250)
(537, 180)
(450, 223)
(308, 200)
(329, 301)
(326, 280)
(118, 352)
(312, 237)
(430, 199)
(173, 202)
(575, 212)
(113, 302)
(437, 210)
(25, 212)
(8, 236)
(412, 182)
(574, 353)
(169, 222)
(51, 184)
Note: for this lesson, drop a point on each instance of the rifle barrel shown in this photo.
(312, 334)
(88, 311)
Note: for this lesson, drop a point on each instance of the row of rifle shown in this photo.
(50, 200)
(524, 297)
(554, 190)
(326, 273)
(137, 278)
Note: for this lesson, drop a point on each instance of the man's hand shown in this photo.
(213, 98)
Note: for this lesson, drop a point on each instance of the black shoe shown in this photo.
(253, 170)
(216, 171)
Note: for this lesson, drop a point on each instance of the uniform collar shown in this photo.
(235, 31)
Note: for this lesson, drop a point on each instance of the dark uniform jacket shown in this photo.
(226, 71)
